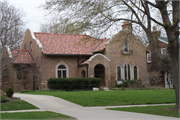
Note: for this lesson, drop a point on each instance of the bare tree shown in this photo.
(59, 25)
(99, 16)
(11, 27)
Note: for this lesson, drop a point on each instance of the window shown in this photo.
(118, 70)
(127, 73)
(126, 47)
(25, 46)
(163, 51)
(62, 70)
(30, 46)
(135, 72)
(149, 57)
(83, 74)
(22, 73)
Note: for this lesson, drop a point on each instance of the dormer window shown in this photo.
(163, 51)
(126, 47)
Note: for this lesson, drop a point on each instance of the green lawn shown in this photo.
(164, 110)
(35, 115)
(112, 98)
(17, 105)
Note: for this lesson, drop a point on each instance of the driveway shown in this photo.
(58, 105)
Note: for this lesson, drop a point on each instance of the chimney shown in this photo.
(127, 25)
(155, 34)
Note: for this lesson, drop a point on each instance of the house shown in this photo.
(64, 55)
(158, 71)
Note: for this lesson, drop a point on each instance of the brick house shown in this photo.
(64, 55)
(158, 71)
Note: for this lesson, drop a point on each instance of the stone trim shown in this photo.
(92, 57)
(37, 41)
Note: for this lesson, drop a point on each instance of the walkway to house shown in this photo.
(50, 103)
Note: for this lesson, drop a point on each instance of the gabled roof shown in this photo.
(67, 44)
(163, 39)
(22, 57)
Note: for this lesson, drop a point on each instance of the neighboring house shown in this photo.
(65, 55)
(158, 71)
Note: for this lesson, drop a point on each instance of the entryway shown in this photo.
(99, 72)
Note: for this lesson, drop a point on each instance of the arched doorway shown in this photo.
(83, 74)
(99, 72)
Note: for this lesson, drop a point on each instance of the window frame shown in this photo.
(126, 43)
(162, 51)
(137, 72)
(67, 69)
(30, 46)
(128, 70)
(117, 73)
(149, 56)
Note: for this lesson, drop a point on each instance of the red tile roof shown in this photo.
(22, 56)
(67, 44)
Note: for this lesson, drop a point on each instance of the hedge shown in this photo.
(70, 84)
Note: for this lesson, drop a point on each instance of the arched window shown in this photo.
(136, 72)
(126, 47)
(118, 72)
(127, 73)
(62, 70)
(83, 74)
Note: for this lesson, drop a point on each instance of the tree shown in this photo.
(99, 16)
(55, 25)
(11, 27)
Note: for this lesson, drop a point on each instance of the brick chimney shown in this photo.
(155, 33)
(127, 25)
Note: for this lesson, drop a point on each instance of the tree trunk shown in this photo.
(175, 74)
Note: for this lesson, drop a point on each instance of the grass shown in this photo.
(16, 105)
(112, 98)
(164, 110)
(35, 115)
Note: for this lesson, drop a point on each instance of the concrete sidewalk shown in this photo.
(54, 104)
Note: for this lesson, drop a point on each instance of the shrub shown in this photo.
(4, 99)
(10, 92)
(23, 91)
(70, 84)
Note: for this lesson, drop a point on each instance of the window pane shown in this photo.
(129, 76)
(125, 71)
(59, 73)
(118, 73)
(61, 67)
(135, 72)
(125, 47)
(64, 73)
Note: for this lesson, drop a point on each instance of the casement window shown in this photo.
(149, 57)
(118, 73)
(30, 46)
(163, 51)
(127, 72)
(126, 47)
(135, 68)
(61, 71)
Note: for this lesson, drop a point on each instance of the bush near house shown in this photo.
(4, 99)
(70, 84)
(10, 92)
